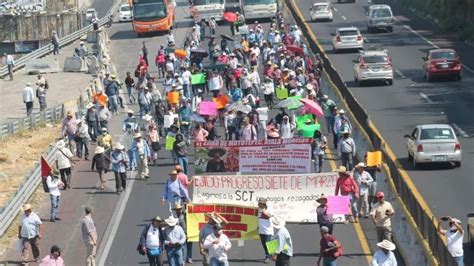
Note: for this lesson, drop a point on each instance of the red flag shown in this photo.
(45, 168)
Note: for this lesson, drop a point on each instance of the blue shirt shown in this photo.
(174, 234)
(132, 121)
(284, 239)
(140, 148)
(117, 159)
(236, 94)
(173, 190)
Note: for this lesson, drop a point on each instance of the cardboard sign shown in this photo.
(308, 130)
(243, 220)
(169, 120)
(281, 93)
(272, 246)
(374, 158)
(338, 205)
(208, 108)
(197, 79)
(180, 53)
(221, 101)
(262, 113)
(169, 143)
(301, 119)
(173, 97)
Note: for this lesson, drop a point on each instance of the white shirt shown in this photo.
(29, 225)
(255, 50)
(255, 77)
(268, 88)
(382, 259)
(264, 225)
(215, 83)
(153, 237)
(218, 251)
(63, 161)
(454, 243)
(286, 130)
(28, 94)
(186, 76)
(53, 185)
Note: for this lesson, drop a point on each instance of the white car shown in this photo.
(373, 65)
(90, 12)
(434, 143)
(125, 13)
(347, 39)
(321, 11)
(380, 17)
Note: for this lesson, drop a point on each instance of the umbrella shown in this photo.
(312, 107)
(290, 102)
(237, 45)
(227, 37)
(199, 52)
(239, 107)
(197, 118)
(230, 16)
(216, 66)
(295, 49)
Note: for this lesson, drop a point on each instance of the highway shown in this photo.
(144, 201)
(411, 100)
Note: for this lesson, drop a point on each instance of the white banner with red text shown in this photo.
(291, 196)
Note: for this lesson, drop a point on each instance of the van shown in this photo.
(380, 17)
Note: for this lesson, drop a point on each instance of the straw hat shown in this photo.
(174, 172)
(157, 218)
(99, 150)
(171, 221)
(89, 105)
(60, 144)
(325, 97)
(341, 170)
(322, 197)
(277, 222)
(26, 207)
(360, 165)
(118, 146)
(177, 206)
(130, 111)
(137, 135)
(147, 117)
(55, 172)
(386, 245)
(213, 217)
(342, 111)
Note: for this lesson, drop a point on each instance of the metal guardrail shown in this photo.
(20, 63)
(31, 182)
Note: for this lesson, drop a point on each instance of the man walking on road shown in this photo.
(30, 233)
(174, 241)
(63, 159)
(28, 98)
(454, 237)
(384, 256)
(53, 182)
(173, 191)
(214, 219)
(347, 186)
(285, 246)
(324, 219)
(331, 248)
(10, 63)
(346, 149)
(381, 214)
(141, 152)
(218, 244)
(120, 162)
(55, 42)
(328, 110)
(364, 180)
(265, 228)
(89, 235)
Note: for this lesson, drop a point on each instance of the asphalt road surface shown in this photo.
(144, 201)
(397, 109)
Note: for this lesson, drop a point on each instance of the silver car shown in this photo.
(347, 39)
(434, 143)
(373, 65)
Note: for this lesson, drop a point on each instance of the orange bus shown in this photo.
(152, 15)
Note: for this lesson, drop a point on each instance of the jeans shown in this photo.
(189, 250)
(347, 160)
(82, 143)
(318, 163)
(29, 108)
(264, 239)
(120, 181)
(55, 48)
(133, 159)
(130, 94)
(104, 123)
(355, 210)
(175, 256)
(212, 31)
(54, 206)
(183, 161)
(186, 90)
(459, 260)
(113, 101)
(364, 204)
(329, 123)
(216, 262)
(154, 261)
(329, 261)
(93, 129)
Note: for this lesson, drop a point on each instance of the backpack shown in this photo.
(45, 185)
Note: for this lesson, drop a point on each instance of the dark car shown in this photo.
(442, 63)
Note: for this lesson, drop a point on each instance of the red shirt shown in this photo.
(328, 241)
(346, 185)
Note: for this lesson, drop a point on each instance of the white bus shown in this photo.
(205, 9)
(255, 9)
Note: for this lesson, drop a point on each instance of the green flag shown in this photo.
(301, 119)
(197, 79)
(169, 143)
(281, 93)
(308, 130)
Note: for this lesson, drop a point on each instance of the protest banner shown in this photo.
(243, 220)
(292, 196)
(254, 156)
(374, 158)
(169, 143)
(198, 79)
(338, 205)
(208, 108)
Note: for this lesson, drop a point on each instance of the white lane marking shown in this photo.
(344, 18)
(400, 74)
(335, 9)
(424, 96)
(366, 39)
(429, 42)
(460, 130)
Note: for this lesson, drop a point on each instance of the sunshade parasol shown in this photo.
(312, 107)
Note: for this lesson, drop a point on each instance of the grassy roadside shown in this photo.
(18, 156)
(451, 16)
